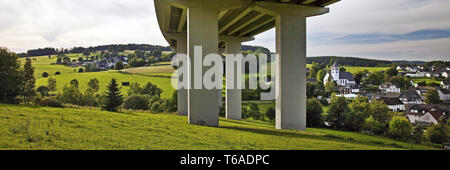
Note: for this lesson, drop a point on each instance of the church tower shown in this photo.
(335, 72)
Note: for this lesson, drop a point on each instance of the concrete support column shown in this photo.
(291, 77)
(202, 30)
(291, 63)
(233, 96)
(182, 98)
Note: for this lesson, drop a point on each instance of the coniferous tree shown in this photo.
(28, 81)
(113, 97)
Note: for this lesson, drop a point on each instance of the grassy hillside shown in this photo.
(163, 82)
(353, 70)
(159, 74)
(54, 128)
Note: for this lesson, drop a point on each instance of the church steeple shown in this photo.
(335, 72)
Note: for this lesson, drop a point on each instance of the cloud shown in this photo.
(382, 29)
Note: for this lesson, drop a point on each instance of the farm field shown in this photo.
(163, 82)
(425, 79)
(67, 128)
(353, 70)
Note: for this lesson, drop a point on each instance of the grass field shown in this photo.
(163, 82)
(425, 79)
(353, 70)
(159, 74)
(44, 64)
(56, 128)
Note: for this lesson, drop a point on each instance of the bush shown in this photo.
(400, 128)
(438, 133)
(45, 74)
(373, 126)
(270, 113)
(137, 102)
(51, 102)
(418, 134)
(156, 104)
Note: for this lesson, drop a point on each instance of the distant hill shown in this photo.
(359, 62)
(118, 48)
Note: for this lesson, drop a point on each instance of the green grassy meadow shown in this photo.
(354, 70)
(159, 74)
(33, 128)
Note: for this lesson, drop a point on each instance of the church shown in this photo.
(341, 78)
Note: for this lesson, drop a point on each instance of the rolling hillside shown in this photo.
(66, 128)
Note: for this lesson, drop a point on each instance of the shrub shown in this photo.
(137, 102)
(400, 128)
(270, 113)
(418, 134)
(438, 133)
(51, 102)
(156, 104)
(373, 126)
(43, 90)
(45, 74)
(314, 113)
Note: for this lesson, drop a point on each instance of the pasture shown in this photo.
(34, 128)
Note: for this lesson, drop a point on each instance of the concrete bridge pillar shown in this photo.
(233, 95)
(202, 30)
(182, 93)
(291, 68)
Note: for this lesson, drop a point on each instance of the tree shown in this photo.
(270, 113)
(113, 97)
(330, 87)
(45, 74)
(354, 120)
(438, 133)
(379, 111)
(29, 81)
(373, 126)
(74, 83)
(93, 84)
(432, 97)
(417, 134)
(10, 76)
(119, 65)
(254, 111)
(358, 76)
(376, 78)
(392, 71)
(51, 84)
(400, 128)
(314, 113)
(71, 94)
(89, 97)
(43, 90)
(151, 90)
(336, 112)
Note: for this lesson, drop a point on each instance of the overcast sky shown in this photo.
(381, 29)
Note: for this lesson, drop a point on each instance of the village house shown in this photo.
(426, 114)
(446, 73)
(393, 102)
(445, 84)
(444, 94)
(432, 74)
(389, 88)
(411, 96)
(422, 90)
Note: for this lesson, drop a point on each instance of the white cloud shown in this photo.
(27, 24)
